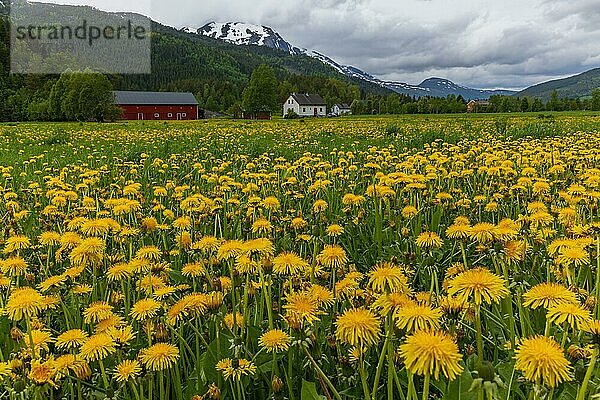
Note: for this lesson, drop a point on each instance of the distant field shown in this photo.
(375, 257)
(62, 142)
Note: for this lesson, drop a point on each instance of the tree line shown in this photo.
(403, 104)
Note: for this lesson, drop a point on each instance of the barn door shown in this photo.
(179, 116)
(315, 111)
(140, 116)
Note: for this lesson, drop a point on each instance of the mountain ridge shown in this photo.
(245, 34)
(579, 85)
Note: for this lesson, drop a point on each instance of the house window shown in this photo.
(170, 115)
(183, 115)
(156, 115)
(303, 109)
(321, 109)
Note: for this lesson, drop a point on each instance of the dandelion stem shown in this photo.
(588, 375)
(426, 387)
(479, 335)
(103, 371)
(363, 377)
(325, 378)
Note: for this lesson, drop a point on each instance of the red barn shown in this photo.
(158, 105)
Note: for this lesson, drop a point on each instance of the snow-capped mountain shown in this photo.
(241, 33)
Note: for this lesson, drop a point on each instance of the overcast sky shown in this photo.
(479, 43)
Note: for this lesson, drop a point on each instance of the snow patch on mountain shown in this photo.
(241, 33)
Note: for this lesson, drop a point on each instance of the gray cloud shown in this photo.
(480, 43)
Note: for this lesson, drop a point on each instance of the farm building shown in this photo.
(305, 105)
(340, 109)
(477, 105)
(158, 105)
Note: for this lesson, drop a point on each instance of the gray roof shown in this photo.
(343, 106)
(308, 99)
(161, 98)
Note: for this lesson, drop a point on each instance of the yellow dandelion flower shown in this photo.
(24, 302)
(16, 243)
(431, 353)
(229, 320)
(127, 370)
(52, 281)
(235, 369)
(13, 266)
(97, 311)
(573, 256)
(159, 356)
(357, 327)
(429, 240)
(334, 230)
(42, 372)
(571, 313)
(416, 316)
(387, 277)
(541, 358)
(548, 295)
(193, 269)
(71, 339)
(480, 284)
(301, 307)
(97, 347)
(333, 256)
(145, 309)
(482, 232)
(275, 340)
(288, 263)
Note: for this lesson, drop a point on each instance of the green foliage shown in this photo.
(309, 391)
(57, 138)
(291, 114)
(81, 96)
(595, 101)
(261, 93)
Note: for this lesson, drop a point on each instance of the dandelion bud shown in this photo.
(578, 353)
(15, 365)
(470, 349)
(214, 392)
(331, 342)
(116, 298)
(16, 334)
(590, 303)
(276, 384)
(82, 370)
(19, 386)
(486, 371)
(267, 264)
(162, 334)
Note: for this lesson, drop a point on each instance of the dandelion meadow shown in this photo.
(417, 257)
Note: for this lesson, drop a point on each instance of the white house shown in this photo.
(305, 105)
(340, 109)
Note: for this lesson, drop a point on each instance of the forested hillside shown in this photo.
(577, 86)
(216, 72)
